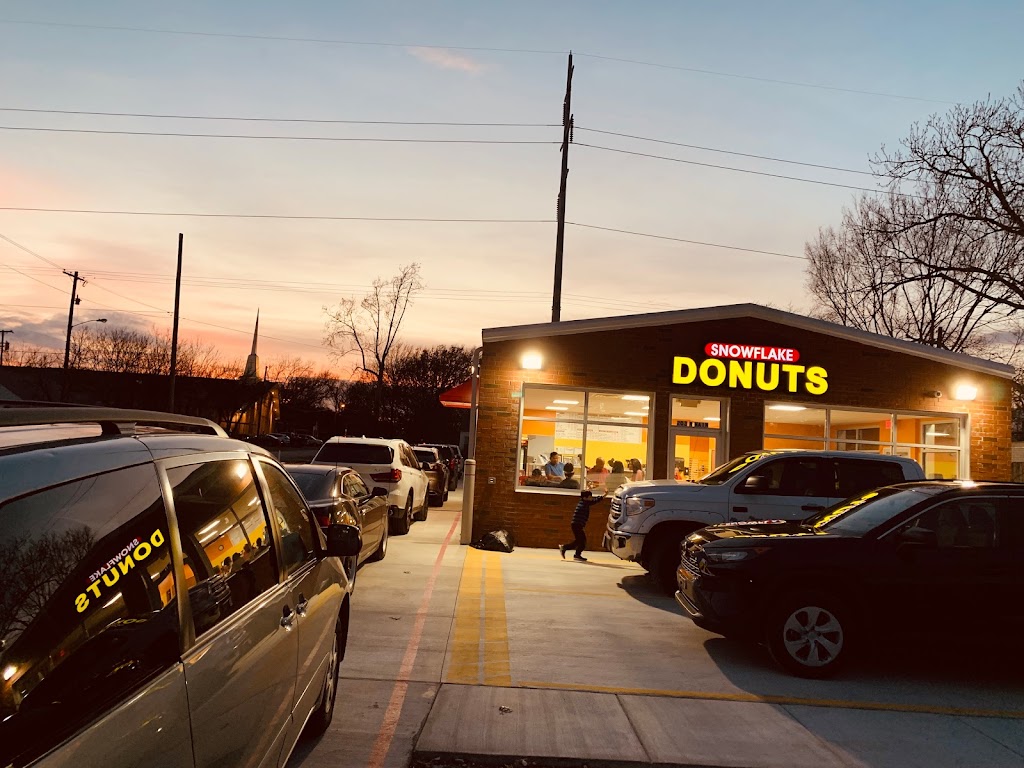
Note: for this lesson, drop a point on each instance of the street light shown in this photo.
(67, 347)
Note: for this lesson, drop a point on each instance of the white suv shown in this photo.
(390, 464)
(649, 519)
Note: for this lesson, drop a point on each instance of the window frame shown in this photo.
(889, 536)
(584, 422)
(319, 545)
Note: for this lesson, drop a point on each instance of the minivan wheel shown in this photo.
(321, 718)
(404, 523)
(809, 635)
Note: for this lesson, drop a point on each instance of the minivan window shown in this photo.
(293, 520)
(88, 605)
(347, 454)
(228, 549)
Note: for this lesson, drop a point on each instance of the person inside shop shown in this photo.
(554, 469)
(616, 477)
(636, 470)
(569, 481)
(536, 477)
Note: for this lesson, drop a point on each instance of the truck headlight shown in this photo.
(635, 505)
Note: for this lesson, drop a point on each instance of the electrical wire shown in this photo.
(317, 121)
(292, 217)
(41, 282)
(350, 139)
(682, 240)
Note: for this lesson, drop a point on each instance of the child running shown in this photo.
(579, 525)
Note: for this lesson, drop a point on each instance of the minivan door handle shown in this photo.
(287, 618)
(302, 605)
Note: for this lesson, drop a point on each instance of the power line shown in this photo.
(359, 139)
(682, 240)
(735, 170)
(30, 252)
(725, 151)
(295, 217)
(41, 282)
(482, 49)
(318, 121)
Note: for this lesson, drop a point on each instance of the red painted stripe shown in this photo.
(394, 709)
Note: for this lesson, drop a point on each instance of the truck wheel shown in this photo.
(808, 634)
(664, 561)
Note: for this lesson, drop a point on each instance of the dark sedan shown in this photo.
(339, 495)
(900, 561)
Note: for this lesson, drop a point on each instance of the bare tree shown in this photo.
(967, 167)
(369, 326)
(872, 276)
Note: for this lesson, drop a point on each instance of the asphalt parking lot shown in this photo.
(455, 652)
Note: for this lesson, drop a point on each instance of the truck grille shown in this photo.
(616, 510)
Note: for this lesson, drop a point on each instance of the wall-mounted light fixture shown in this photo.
(532, 361)
(965, 392)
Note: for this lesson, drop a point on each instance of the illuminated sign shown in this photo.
(747, 366)
(136, 551)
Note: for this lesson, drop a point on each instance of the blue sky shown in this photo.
(478, 275)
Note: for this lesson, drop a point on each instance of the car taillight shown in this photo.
(392, 476)
(323, 517)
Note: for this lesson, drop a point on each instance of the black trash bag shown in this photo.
(495, 541)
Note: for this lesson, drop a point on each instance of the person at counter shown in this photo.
(554, 469)
(616, 477)
(636, 470)
(536, 478)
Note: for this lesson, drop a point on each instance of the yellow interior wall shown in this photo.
(781, 428)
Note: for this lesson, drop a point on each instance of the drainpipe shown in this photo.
(469, 486)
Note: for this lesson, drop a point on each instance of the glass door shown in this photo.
(696, 438)
(693, 455)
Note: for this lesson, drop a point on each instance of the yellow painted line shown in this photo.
(496, 663)
(570, 592)
(464, 666)
(928, 709)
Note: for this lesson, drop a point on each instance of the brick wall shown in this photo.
(641, 359)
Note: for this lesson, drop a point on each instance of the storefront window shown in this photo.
(935, 441)
(593, 431)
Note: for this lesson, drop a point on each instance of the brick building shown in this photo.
(684, 391)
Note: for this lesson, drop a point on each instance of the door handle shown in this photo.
(302, 605)
(287, 618)
(812, 507)
(739, 510)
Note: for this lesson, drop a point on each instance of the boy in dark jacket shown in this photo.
(579, 525)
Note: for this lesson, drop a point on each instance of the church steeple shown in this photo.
(252, 365)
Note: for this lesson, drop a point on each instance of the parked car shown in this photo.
(649, 519)
(302, 440)
(284, 439)
(452, 456)
(168, 597)
(267, 440)
(339, 495)
(437, 473)
(390, 464)
(909, 558)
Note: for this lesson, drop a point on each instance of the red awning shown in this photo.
(458, 397)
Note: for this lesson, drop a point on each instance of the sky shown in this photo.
(801, 81)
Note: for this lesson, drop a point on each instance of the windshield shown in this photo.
(858, 515)
(726, 472)
(354, 453)
(314, 485)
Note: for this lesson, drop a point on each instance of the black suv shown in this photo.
(898, 558)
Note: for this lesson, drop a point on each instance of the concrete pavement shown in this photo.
(457, 652)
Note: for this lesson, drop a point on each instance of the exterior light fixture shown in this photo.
(9, 672)
(793, 408)
(965, 392)
(532, 361)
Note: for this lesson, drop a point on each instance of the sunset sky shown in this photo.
(415, 61)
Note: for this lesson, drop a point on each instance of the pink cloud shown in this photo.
(445, 59)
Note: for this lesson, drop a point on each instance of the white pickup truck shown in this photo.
(649, 519)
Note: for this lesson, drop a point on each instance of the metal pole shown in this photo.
(468, 487)
(556, 300)
(475, 379)
(71, 316)
(174, 333)
(3, 345)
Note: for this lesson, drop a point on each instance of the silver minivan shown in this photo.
(166, 597)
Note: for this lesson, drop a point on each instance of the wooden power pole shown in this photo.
(556, 301)
(174, 332)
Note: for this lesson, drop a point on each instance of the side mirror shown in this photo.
(343, 540)
(920, 537)
(378, 492)
(755, 483)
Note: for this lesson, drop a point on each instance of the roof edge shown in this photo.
(734, 311)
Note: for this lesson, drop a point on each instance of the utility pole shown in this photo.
(174, 332)
(4, 345)
(556, 301)
(75, 280)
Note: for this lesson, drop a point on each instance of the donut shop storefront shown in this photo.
(682, 392)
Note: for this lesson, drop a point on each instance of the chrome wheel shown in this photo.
(332, 678)
(813, 636)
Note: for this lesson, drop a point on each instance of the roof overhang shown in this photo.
(737, 311)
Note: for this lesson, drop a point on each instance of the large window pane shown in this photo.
(618, 407)
(543, 403)
(848, 428)
(620, 451)
(928, 430)
(941, 465)
(794, 420)
(88, 605)
(688, 412)
(779, 443)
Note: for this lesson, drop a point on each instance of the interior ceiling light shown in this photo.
(637, 398)
(635, 413)
(556, 407)
(793, 408)
(566, 402)
(712, 418)
(934, 433)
